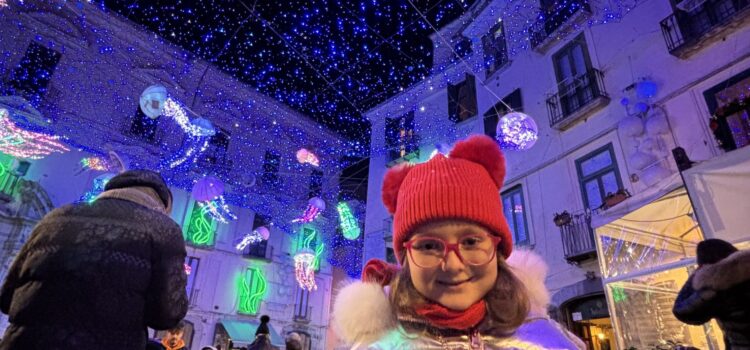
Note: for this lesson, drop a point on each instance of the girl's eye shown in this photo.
(472, 241)
(428, 245)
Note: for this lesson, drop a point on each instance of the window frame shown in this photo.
(26, 87)
(491, 49)
(270, 175)
(400, 133)
(187, 225)
(253, 251)
(193, 275)
(302, 304)
(509, 193)
(598, 174)
(454, 103)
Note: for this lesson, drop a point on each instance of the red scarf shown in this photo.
(442, 317)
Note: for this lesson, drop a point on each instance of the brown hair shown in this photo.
(507, 302)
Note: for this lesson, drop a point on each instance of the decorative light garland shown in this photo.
(99, 184)
(20, 143)
(304, 269)
(253, 288)
(94, 163)
(251, 238)
(349, 225)
(218, 209)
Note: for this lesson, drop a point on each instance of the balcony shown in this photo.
(542, 31)
(576, 99)
(687, 32)
(577, 237)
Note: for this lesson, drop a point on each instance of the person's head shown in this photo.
(265, 319)
(293, 341)
(713, 250)
(174, 334)
(146, 181)
(450, 236)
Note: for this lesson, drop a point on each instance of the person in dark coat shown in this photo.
(173, 339)
(94, 276)
(719, 288)
(262, 336)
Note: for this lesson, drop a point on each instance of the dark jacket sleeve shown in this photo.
(11, 282)
(166, 299)
(695, 307)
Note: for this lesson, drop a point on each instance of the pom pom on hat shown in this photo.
(392, 183)
(483, 151)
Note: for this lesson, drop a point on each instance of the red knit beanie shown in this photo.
(463, 186)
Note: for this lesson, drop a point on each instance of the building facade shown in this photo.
(612, 95)
(77, 71)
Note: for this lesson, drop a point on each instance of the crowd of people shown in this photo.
(95, 276)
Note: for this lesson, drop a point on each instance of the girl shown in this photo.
(454, 289)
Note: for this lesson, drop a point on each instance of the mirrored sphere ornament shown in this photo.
(516, 131)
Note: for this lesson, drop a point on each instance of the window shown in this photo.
(301, 305)
(200, 230)
(259, 249)
(728, 103)
(193, 263)
(462, 47)
(316, 183)
(400, 139)
(514, 209)
(598, 176)
(556, 12)
(495, 51)
(576, 83)
(271, 164)
(252, 288)
(216, 153)
(31, 77)
(143, 127)
(493, 114)
(462, 100)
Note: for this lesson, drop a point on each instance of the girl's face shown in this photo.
(452, 283)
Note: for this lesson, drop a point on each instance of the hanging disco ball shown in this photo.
(517, 131)
(152, 101)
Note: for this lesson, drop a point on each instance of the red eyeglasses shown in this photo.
(429, 252)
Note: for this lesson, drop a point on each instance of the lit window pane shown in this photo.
(596, 163)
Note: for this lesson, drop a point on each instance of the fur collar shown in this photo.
(143, 196)
(362, 313)
(725, 274)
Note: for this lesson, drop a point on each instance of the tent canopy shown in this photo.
(720, 189)
(659, 233)
(243, 332)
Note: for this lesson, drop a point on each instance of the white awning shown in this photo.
(720, 191)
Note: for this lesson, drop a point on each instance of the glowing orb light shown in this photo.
(517, 131)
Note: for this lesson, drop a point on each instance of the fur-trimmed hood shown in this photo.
(362, 313)
(725, 274)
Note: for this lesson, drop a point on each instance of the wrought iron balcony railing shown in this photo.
(576, 98)
(683, 31)
(578, 238)
(549, 21)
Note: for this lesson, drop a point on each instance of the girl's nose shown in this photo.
(452, 263)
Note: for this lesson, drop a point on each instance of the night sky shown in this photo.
(331, 60)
